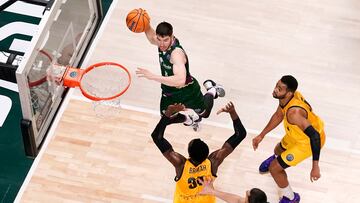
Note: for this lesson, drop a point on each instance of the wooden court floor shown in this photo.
(92, 159)
(245, 45)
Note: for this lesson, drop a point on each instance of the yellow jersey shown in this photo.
(188, 185)
(293, 131)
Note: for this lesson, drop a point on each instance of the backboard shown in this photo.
(62, 37)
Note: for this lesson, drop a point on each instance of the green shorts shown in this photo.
(190, 96)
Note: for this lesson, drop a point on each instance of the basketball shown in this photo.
(137, 20)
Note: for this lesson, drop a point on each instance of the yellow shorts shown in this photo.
(297, 150)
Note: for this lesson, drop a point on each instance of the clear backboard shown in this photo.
(62, 38)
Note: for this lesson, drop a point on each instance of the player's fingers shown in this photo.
(219, 111)
(254, 144)
(139, 72)
(201, 181)
(230, 105)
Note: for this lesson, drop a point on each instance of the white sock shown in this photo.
(212, 91)
(287, 192)
(188, 120)
(190, 115)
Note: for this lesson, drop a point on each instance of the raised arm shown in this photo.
(298, 116)
(164, 146)
(151, 35)
(275, 120)
(218, 156)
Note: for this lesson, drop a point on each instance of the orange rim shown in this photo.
(105, 98)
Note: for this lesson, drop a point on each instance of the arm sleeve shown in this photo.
(315, 141)
(239, 135)
(158, 135)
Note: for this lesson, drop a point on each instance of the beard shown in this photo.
(278, 96)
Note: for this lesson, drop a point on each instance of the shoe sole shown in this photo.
(262, 173)
(220, 91)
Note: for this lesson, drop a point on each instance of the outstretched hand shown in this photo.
(208, 188)
(145, 73)
(256, 141)
(315, 173)
(174, 108)
(229, 108)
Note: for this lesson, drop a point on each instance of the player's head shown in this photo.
(164, 34)
(256, 195)
(198, 150)
(287, 85)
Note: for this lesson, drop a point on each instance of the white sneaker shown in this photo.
(220, 91)
(193, 119)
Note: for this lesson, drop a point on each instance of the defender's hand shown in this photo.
(256, 141)
(208, 188)
(315, 173)
(173, 109)
(229, 108)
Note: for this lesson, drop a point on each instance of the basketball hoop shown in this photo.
(103, 83)
(100, 81)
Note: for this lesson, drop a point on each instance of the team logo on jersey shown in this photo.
(166, 66)
(168, 56)
(289, 157)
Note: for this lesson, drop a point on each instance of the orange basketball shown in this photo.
(137, 20)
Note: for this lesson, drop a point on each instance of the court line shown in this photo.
(331, 143)
(9, 85)
(125, 106)
(48, 138)
(63, 106)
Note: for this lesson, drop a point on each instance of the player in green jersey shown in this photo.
(177, 84)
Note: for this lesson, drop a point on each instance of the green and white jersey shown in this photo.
(190, 94)
(167, 67)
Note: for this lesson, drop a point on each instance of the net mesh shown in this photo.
(105, 81)
(107, 108)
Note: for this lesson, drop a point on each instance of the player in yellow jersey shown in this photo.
(304, 137)
(200, 165)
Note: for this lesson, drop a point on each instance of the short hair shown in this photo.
(290, 82)
(198, 150)
(164, 29)
(257, 196)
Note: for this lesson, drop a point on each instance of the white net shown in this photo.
(107, 108)
(105, 81)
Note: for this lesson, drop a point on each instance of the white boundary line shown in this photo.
(9, 85)
(43, 148)
(129, 107)
(62, 108)
(331, 143)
